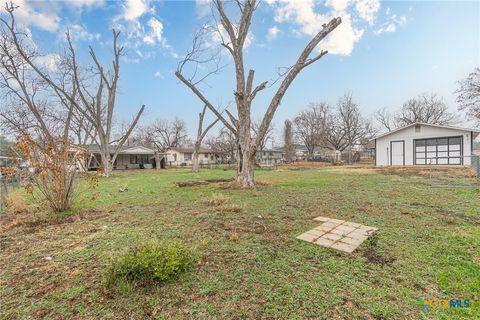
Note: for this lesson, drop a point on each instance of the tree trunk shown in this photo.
(195, 164)
(248, 166)
(107, 165)
(157, 161)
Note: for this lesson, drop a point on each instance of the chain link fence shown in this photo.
(467, 176)
(8, 183)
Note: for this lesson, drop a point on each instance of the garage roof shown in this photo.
(477, 131)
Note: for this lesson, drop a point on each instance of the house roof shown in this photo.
(190, 150)
(95, 148)
(477, 131)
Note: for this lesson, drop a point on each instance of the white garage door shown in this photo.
(397, 153)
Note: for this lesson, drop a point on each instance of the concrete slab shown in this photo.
(339, 234)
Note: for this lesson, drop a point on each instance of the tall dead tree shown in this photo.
(201, 133)
(233, 36)
(468, 95)
(95, 99)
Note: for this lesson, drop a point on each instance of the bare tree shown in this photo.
(468, 95)
(346, 127)
(163, 134)
(426, 108)
(95, 99)
(225, 144)
(288, 147)
(384, 118)
(200, 135)
(233, 40)
(31, 110)
(310, 125)
(334, 136)
(262, 145)
(354, 125)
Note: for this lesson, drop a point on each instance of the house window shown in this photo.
(206, 156)
(132, 159)
(439, 151)
(187, 157)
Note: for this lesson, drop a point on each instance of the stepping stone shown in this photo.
(316, 232)
(342, 246)
(324, 228)
(336, 221)
(324, 242)
(351, 224)
(322, 219)
(352, 241)
(330, 224)
(332, 236)
(342, 230)
(307, 237)
(357, 235)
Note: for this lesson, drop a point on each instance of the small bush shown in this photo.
(153, 261)
(15, 202)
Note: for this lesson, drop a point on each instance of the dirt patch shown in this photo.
(371, 256)
(303, 165)
(426, 171)
(219, 180)
(34, 222)
(201, 183)
(190, 183)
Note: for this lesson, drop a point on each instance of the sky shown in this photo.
(383, 53)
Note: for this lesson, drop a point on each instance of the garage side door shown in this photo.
(397, 153)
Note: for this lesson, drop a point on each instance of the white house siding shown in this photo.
(409, 134)
(175, 158)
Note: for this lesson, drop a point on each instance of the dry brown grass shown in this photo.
(232, 207)
(302, 165)
(15, 202)
(425, 171)
(217, 199)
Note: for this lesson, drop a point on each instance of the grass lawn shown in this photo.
(251, 265)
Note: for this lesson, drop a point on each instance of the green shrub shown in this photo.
(152, 261)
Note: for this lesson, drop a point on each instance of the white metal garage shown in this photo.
(425, 144)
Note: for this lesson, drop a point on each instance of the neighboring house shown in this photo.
(183, 157)
(425, 144)
(269, 156)
(128, 158)
(301, 153)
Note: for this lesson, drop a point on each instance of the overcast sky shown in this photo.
(383, 52)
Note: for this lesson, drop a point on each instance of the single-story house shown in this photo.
(183, 156)
(425, 144)
(130, 157)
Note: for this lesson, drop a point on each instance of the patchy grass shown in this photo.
(251, 265)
